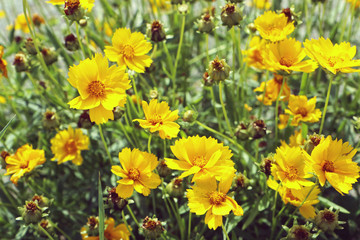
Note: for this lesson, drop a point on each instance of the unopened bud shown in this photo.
(163, 169)
(231, 15)
(219, 70)
(21, 62)
(241, 131)
(50, 120)
(156, 31)
(47, 226)
(265, 165)
(312, 142)
(41, 201)
(118, 112)
(206, 23)
(49, 55)
(298, 232)
(37, 20)
(251, 27)
(189, 116)
(114, 201)
(257, 129)
(30, 46)
(153, 94)
(73, 11)
(84, 120)
(327, 220)
(152, 228)
(71, 42)
(240, 182)
(83, 22)
(92, 226)
(176, 188)
(31, 213)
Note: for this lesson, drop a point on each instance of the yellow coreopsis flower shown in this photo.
(273, 87)
(21, 24)
(101, 88)
(283, 121)
(207, 196)
(23, 161)
(334, 58)
(86, 4)
(129, 49)
(273, 27)
(136, 172)
(295, 140)
(67, 146)
(158, 117)
(303, 110)
(201, 156)
(332, 160)
(296, 197)
(290, 167)
(254, 55)
(112, 232)
(287, 56)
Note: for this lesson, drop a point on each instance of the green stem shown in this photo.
(277, 109)
(149, 143)
(224, 231)
(132, 215)
(168, 56)
(126, 135)
(45, 232)
(207, 49)
(216, 112)
(189, 226)
(352, 21)
(321, 21)
(127, 225)
(138, 99)
(273, 221)
(263, 96)
(105, 145)
(224, 110)
(326, 104)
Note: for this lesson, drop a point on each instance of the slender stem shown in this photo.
(45, 232)
(132, 215)
(321, 21)
(207, 49)
(164, 148)
(263, 96)
(138, 99)
(224, 231)
(149, 143)
(326, 104)
(125, 133)
(127, 225)
(105, 145)
(277, 109)
(168, 56)
(233, 57)
(79, 39)
(216, 112)
(273, 221)
(352, 21)
(224, 110)
(189, 226)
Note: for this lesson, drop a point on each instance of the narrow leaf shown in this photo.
(7, 125)
(101, 212)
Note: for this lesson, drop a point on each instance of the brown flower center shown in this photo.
(301, 234)
(134, 174)
(128, 51)
(24, 164)
(291, 196)
(217, 197)
(199, 161)
(286, 61)
(291, 173)
(155, 119)
(329, 216)
(217, 65)
(96, 89)
(31, 206)
(328, 166)
(302, 111)
(70, 147)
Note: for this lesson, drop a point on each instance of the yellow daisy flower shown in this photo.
(2, 100)
(273, 87)
(86, 4)
(261, 4)
(136, 172)
(111, 232)
(287, 56)
(158, 117)
(254, 55)
(335, 58)
(101, 88)
(296, 197)
(208, 196)
(67, 145)
(283, 121)
(23, 161)
(295, 140)
(332, 160)
(290, 167)
(201, 156)
(273, 27)
(303, 110)
(21, 24)
(129, 49)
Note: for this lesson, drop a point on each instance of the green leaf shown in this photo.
(304, 130)
(101, 212)
(7, 125)
(329, 203)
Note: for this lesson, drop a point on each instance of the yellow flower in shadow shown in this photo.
(303, 110)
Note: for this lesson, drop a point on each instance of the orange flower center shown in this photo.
(128, 51)
(302, 111)
(155, 119)
(334, 60)
(328, 166)
(96, 89)
(199, 161)
(217, 197)
(291, 196)
(70, 147)
(291, 173)
(134, 174)
(24, 164)
(257, 56)
(286, 62)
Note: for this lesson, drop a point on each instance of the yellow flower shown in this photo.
(283, 121)
(295, 140)
(3, 63)
(332, 160)
(101, 88)
(303, 110)
(297, 196)
(354, 2)
(273, 27)
(23, 161)
(273, 87)
(21, 24)
(201, 156)
(111, 232)
(67, 145)
(2, 99)
(254, 55)
(287, 56)
(209, 197)
(158, 117)
(136, 172)
(335, 58)
(290, 167)
(157, 5)
(86, 4)
(247, 107)
(129, 49)
(2, 14)
(261, 4)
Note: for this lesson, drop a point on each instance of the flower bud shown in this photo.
(312, 142)
(30, 46)
(21, 62)
(152, 228)
(4, 155)
(231, 15)
(251, 27)
(151, 68)
(265, 165)
(327, 220)
(50, 120)
(206, 23)
(31, 213)
(240, 182)
(83, 22)
(219, 70)
(71, 42)
(208, 82)
(37, 20)
(257, 129)
(241, 131)
(298, 232)
(156, 31)
(154, 94)
(114, 201)
(73, 11)
(49, 55)
(84, 120)
(189, 116)
(92, 226)
(176, 188)
(47, 226)
(163, 169)
(41, 201)
(118, 112)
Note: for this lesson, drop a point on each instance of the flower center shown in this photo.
(328, 166)
(334, 60)
(291, 196)
(302, 111)
(128, 51)
(155, 119)
(291, 173)
(329, 216)
(24, 164)
(70, 147)
(286, 62)
(257, 56)
(217, 197)
(134, 174)
(199, 161)
(96, 89)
